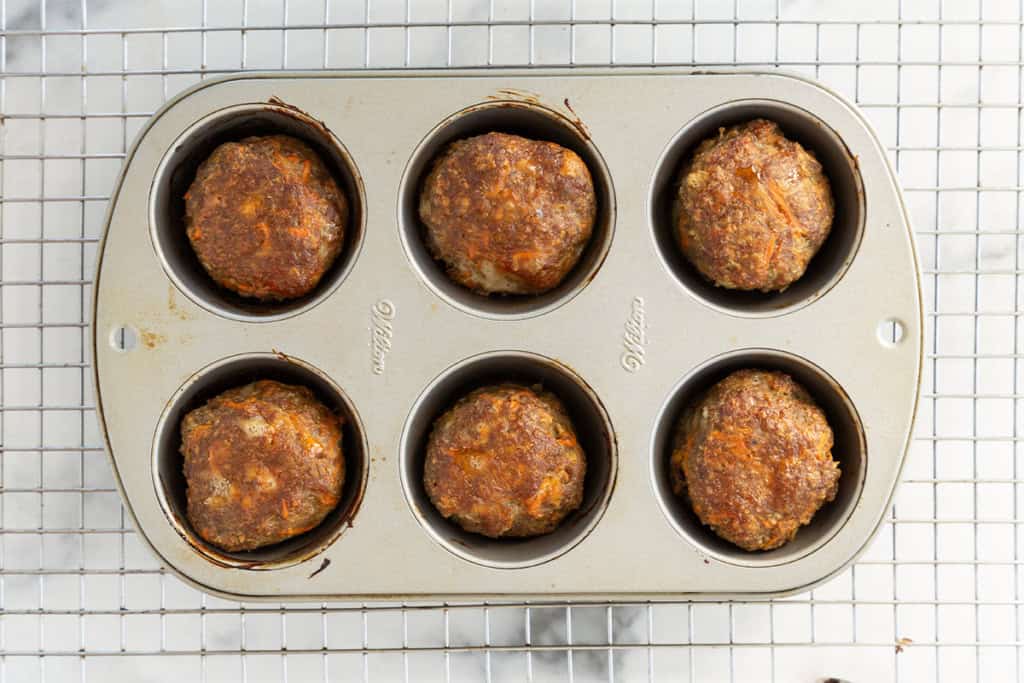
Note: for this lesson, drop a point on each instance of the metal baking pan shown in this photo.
(626, 341)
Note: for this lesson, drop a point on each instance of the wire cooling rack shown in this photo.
(937, 595)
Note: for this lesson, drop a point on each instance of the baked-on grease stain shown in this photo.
(515, 94)
(381, 333)
(301, 115)
(323, 565)
(634, 337)
(152, 340)
(172, 305)
(576, 120)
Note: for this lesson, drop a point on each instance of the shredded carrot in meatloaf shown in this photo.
(753, 458)
(507, 214)
(752, 208)
(265, 217)
(262, 462)
(505, 461)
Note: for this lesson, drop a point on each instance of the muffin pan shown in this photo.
(626, 341)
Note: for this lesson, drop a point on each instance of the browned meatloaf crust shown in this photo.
(504, 461)
(265, 217)
(754, 457)
(753, 208)
(263, 463)
(507, 214)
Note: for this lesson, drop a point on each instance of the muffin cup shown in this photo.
(593, 430)
(235, 371)
(531, 121)
(849, 449)
(831, 260)
(177, 171)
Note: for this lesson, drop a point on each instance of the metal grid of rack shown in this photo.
(936, 596)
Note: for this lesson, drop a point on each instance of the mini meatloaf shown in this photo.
(753, 208)
(265, 217)
(506, 214)
(504, 461)
(263, 463)
(754, 457)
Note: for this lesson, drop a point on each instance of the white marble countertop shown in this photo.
(83, 600)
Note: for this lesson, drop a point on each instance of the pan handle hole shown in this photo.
(891, 332)
(124, 338)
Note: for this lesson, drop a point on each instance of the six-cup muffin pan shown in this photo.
(626, 341)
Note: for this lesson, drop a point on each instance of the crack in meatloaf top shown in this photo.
(753, 208)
